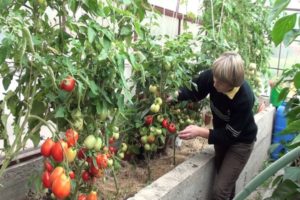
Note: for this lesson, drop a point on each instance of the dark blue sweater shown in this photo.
(233, 119)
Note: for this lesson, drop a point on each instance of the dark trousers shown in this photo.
(229, 162)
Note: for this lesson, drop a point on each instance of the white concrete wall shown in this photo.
(193, 179)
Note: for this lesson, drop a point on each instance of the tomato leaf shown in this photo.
(291, 36)
(73, 5)
(292, 127)
(282, 26)
(3, 54)
(94, 88)
(35, 138)
(60, 112)
(12, 100)
(291, 173)
(4, 4)
(297, 80)
(126, 30)
(278, 7)
(91, 34)
(6, 81)
(287, 188)
(106, 43)
(283, 94)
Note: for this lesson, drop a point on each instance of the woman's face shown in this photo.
(221, 86)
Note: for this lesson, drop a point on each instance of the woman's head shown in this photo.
(228, 71)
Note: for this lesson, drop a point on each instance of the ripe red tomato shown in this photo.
(46, 147)
(172, 128)
(94, 170)
(48, 166)
(61, 187)
(101, 160)
(149, 120)
(58, 150)
(72, 174)
(82, 197)
(71, 137)
(57, 172)
(165, 123)
(85, 175)
(111, 140)
(46, 179)
(112, 149)
(81, 154)
(92, 196)
(68, 84)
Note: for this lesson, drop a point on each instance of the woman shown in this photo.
(234, 129)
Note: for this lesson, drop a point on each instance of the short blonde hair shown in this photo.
(229, 68)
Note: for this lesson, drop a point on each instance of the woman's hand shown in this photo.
(193, 131)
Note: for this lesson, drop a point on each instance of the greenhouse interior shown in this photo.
(149, 99)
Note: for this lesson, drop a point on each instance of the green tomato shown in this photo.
(160, 118)
(115, 129)
(78, 124)
(90, 141)
(147, 147)
(167, 66)
(98, 144)
(110, 162)
(154, 108)
(144, 139)
(158, 101)
(116, 135)
(123, 147)
(153, 89)
(121, 155)
(158, 131)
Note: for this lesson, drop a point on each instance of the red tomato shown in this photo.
(94, 170)
(46, 179)
(68, 84)
(61, 187)
(48, 166)
(101, 160)
(82, 197)
(112, 150)
(92, 196)
(71, 137)
(72, 174)
(81, 154)
(172, 128)
(57, 172)
(58, 150)
(165, 123)
(149, 120)
(85, 175)
(111, 140)
(46, 147)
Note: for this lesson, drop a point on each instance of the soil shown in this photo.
(133, 177)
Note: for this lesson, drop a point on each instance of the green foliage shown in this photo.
(46, 41)
(284, 31)
(240, 26)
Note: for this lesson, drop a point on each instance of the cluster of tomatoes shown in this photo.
(155, 131)
(68, 164)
